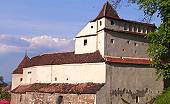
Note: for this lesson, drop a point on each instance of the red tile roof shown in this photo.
(66, 58)
(58, 59)
(24, 63)
(80, 88)
(126, 60)
(71, 58)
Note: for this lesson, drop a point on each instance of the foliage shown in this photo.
(164, 98)
(3, 94)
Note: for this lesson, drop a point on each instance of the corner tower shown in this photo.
(113, 36)
(88, 39)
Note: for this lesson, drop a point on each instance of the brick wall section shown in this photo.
(47, 98)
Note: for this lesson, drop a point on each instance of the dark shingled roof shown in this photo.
(80, 88)
(107, 11)
(24, 63)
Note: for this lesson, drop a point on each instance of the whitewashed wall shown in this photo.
(89, 29)
(89, 48)
(16, 80)
(39, 74)
(66, 73)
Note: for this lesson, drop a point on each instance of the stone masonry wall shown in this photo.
(47, 98)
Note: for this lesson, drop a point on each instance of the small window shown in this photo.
(67, 79)
(130, 27)
(85, 42)
(123, 49)
(125, 27)
(100, 23)
(112, 22)
(139, 29)
(60, 99)
(137, 99)
(135, 51)
(112, 41)
(55, 79)
(29, 72)
(91, 26)
(20, 99)
(135, 44)
(20, 79)
(144, 30)
(135, 29)
(128, 42)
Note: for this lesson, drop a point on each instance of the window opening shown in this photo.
(60, 99)
(91, 26)
(29, 72)
(100, 23)
(20, 79)
(130, 27)
(20, 99)
(144, 30)
(135, 29)
(112, 41)
(139, 29)
(125, 27)
(85, 42)
(112, 22)
(55, 78)
(137, 99)
(135, 44)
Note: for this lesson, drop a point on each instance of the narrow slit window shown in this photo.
(144, 30)
(126, 27)
(137, 99)
(85, 42)
(100, 23)
(20, 79)
(135, 29)
(112, 41)
(130, 27)
(139, 29)
(55, 78)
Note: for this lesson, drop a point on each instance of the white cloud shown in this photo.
(7, 48)
(37, 43)
(46, 41)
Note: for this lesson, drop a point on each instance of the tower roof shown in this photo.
(24, 63)
(107, 11)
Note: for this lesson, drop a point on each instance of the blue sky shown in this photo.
(42, 26)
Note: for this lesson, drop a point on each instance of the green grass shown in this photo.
(164, 98)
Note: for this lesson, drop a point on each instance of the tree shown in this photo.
(3, 94)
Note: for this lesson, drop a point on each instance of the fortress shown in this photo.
(109, 66)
